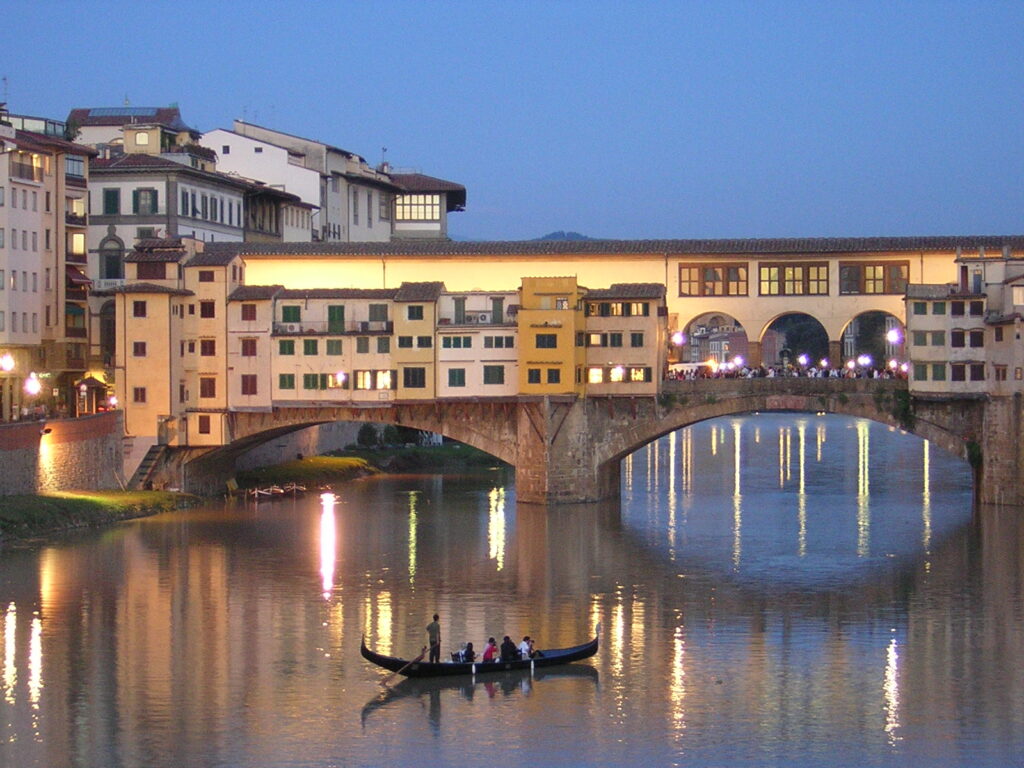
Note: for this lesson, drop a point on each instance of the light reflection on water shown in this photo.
(775, 589)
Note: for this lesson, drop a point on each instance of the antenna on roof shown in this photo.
(126, 102)
(4, 80)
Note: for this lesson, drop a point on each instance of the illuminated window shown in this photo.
(640, 374)
(364, 379)
(617, 374)
(873, 277)
(385, 380)
(595, 375)
(418, 208)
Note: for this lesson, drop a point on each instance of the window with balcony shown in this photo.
(378, 313)
(291, 314)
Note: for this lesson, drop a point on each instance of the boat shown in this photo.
(418, 668)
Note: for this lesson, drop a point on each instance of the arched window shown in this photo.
(111, 259)
(108, 338)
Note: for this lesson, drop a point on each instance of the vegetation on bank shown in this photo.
(411, 458)
(312, 472)
(23, 517)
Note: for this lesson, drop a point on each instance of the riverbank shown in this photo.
(26, 517)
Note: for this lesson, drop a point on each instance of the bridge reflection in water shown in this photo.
(764, 598)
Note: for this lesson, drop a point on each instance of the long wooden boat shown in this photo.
(415, 668)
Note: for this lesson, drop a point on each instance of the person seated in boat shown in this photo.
(525, 648)
(468, 654)
(534, 653)
(490, 650)
(509, 652)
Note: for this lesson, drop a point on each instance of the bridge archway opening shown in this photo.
(795, 339)
(876, 339)
(716, 336)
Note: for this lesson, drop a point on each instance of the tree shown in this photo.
(368, 436)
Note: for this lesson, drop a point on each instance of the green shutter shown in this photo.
(135, 201)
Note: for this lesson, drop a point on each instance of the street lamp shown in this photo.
(6, 362)
(32, 385)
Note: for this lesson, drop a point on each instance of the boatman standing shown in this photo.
(434, 636)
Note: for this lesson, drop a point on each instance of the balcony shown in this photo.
(106, 283)
(475, 317)
(76, 293)
(76, 258)
(323, 327)
(74, 219)
(75, 333)
(26, 171)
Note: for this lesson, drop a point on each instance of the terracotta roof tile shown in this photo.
(338, 293)
(255, 292)
(143, 288)
(419, 291)
(628, 291)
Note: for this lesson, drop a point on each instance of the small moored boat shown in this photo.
(418, 668)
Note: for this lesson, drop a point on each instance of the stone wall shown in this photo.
(75, 454)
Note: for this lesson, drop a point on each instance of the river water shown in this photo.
(773, 590)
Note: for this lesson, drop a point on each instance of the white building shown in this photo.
(477, 353)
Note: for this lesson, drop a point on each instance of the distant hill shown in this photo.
(560, 235)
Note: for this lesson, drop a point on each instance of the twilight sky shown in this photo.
(614, 119)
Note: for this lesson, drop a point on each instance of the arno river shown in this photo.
(775, 590)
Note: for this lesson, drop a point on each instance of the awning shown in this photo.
(75, 276)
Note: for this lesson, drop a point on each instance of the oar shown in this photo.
(391, 677)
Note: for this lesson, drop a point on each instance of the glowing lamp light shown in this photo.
(113, 401)
(851, 364)
(904, 367)
(679, 338)
(893, 364)
(893, 336)
(803, 360)
(738, 361)
(824, 362)
(32, 385)
(864, 360)
(7, 362)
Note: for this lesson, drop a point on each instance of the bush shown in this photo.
(390, 435)
(368, 437)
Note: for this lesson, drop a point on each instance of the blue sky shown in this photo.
(614, 119)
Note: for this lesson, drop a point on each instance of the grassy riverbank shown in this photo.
(312, 472)
(24, 517)
(447, 457)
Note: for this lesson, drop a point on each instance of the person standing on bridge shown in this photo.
(434, 636)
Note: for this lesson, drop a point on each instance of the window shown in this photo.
(207, 386)
(595, 375)
(248, 312)
(291, 314)
(533, 375)
(554, 376)
(310, 347)
(1, 237)
(286, 381)
(362, 345)
(640, 374)
(383, 344)
(138, 394)
(919, 338)
(998, 333)
(547, 341)
(207, 347)
(456, 377)
(713, 280)
(418, 208)
(144, 202)
(335, 318)
(111, 202)
(494, 374)
(204, 424)
(938, 338)
(286, 347)
(873, 278)
(384, 211)
(207, 309)
(205, 275)
(956, 338)
(958, 372)
(939, 371)
(956, 309)
(333, 346)
(355, 208)
(977, 371)
(977, 338)
(615, 339)
(248, 384)
(405, 342)
(138, 309)
(424, 342)
(314, 381)
(378, 313)
(138, 349)
(976, 308)
(225, 149)
(809, 279)
(939, 308)
(248, 347)
(414, 312)
(636, 339)
(920, 372)
(414, 378)
(561, 302)
(999, 372)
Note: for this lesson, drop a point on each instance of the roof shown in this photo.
(42, 142)
(136, 162)
(419, 291)
(371, 181)
(629, 291)
(696, 248)
(143, 288)
(169, 117)
(421, 183)
(211, 258)
(338, 293)
(929, 290)
(255, 292)
(289, 135)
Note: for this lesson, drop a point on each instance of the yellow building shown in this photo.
(550, 328)
(625, 339)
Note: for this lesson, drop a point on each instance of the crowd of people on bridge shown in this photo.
(732, 371)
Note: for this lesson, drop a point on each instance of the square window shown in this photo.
(636, 339)
(248, 384)
(248, 312)
(207, 386)
(291, 314)
(920, 372)
(494, 374)
(207, 309)
(533, 376)
(310, 347)
(334, 346)
(311, 381)
(456, 377)
(383, 344)
(248, 347)
(554, 376)
(414, 378)
(286, 381)
(139, 349)
(286, 347)
(939, 371)
(939, 308)
(138, 394)
(204, 425)
(362, 345)
(415, 312)
(138, 309)
(207, 347)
